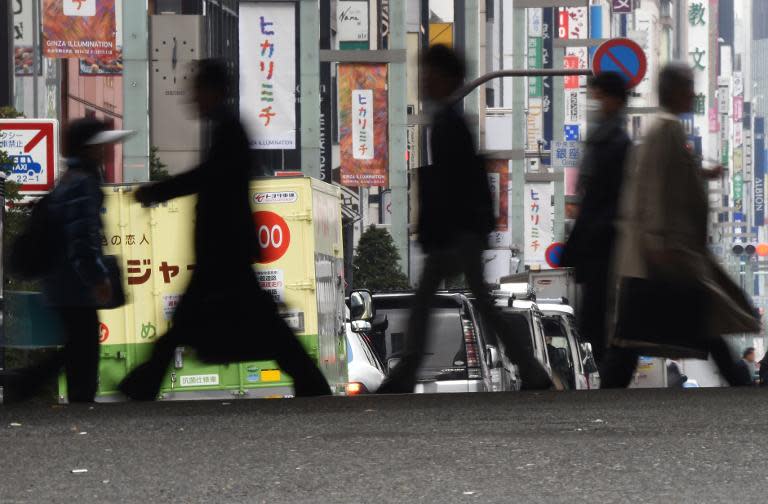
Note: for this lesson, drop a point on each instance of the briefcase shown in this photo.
(115, 275)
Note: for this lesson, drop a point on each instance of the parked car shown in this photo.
(574, 357)
(365, 371)
(458, 357)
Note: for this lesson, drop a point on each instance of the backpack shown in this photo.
(32, 252)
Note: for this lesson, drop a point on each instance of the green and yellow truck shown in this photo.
(298, 224)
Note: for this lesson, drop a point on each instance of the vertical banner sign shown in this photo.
(498, 178)
(79, 28)
(534, 123)
(547, 33)
(759, 164)
(107, 65)
(535, 50)
(268, 74)
(326, 117)
(23, 38)
(363, 125)
(539, 222)
(578, 29)
(383, 24)
(697, 15)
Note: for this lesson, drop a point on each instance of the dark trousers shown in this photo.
(463, 258)
(594, 308)
(620, 364)
(192, 323)
(79, 358)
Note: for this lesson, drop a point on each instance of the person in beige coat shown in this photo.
(673, 299)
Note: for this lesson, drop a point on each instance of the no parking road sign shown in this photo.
(33, 149)
(554, 254)
(622, 56)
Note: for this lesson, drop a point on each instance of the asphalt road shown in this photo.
(630, 446)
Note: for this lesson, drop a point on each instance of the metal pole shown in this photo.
(309, 63)
(517, 194)
(6, 54)
(136, 90)
(398, 125)
(533, 72)
(2, 274)
(36, 60)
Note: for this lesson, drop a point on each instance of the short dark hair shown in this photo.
(446, 61)
(611, 84)
(749, 350)
(213, 74)
(672, 78)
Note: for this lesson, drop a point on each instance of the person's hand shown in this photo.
(142, 195)
(714, 173)
(102, 293)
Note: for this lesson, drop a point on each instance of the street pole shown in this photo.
(517, 194)
(2, 273)
(136, 90)
(6, 54)
(398, 125)
(309, 84)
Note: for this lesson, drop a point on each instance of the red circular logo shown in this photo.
(273, 235)
(103, 332)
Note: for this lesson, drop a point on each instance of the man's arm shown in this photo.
(179, 185)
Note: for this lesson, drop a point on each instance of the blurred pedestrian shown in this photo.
(224, 314)
(674, 300)
(76, 279)
(763, 370)
(455, 217)
(590, 246)
(745, 368)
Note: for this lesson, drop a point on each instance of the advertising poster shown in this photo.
(498, 180)
(268, 74)
(107, 65)
(539, 222)
(79, 28)
(23, 38)
(363, 134)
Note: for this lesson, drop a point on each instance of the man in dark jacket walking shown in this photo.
(76, 282)
(224, 314)
(455, 217)
(591, 244)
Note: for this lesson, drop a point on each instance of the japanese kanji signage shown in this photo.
(566, 154)
(539, 221)
(79, 28)
(697, 17)
(363, 125)
(32, 146)
(268, 73)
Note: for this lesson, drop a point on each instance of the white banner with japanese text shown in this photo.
(539, 222)
(268, 74)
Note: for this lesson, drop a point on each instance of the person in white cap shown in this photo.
(76, 281)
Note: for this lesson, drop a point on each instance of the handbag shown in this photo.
(663, 318)
(115, 275)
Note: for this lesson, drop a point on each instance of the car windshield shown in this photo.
(520, 324)
(445, 348)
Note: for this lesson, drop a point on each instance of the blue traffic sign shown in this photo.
(622, 56)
